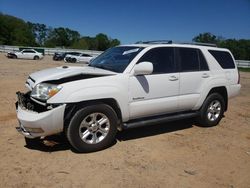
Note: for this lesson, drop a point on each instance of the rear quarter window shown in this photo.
(223, 58)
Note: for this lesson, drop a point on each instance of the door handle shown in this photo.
(173, 78)
(205, 75)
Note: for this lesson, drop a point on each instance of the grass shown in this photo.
(244, 69)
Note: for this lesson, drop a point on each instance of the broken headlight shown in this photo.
(44, 91)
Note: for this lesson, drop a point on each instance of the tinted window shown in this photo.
(162, 59)
(203, 62)
(28, 51)
(86, 55)
(223, 58)
(192, 59)
(189, 59)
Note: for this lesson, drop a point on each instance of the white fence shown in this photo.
(243, 63)
(49, 51)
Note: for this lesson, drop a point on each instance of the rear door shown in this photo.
(28, 54)
(157, 93)
(194, 73)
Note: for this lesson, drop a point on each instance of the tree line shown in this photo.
(15, 31)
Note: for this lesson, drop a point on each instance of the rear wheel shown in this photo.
(212, 110)
(92, 128)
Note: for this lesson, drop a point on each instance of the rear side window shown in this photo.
(192, 59)
(223, 58)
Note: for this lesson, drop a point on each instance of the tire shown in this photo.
(73, 60)
(36, 57)
(212, 110)
(97, 134)
(14, 57)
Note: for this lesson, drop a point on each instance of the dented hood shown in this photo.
(58, 73)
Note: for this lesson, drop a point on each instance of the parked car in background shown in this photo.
(58, 56)
(25, 54)
(81, 57)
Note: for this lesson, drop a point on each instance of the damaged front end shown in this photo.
(25, 102)
(38, 119)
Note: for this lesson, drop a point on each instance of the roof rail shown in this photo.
(155, 42)
(199, 43)
(171, 42)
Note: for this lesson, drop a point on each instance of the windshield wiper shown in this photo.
(105, 67)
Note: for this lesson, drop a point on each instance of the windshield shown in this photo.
(116, 59)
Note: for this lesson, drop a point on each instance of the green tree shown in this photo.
(206, 38)
(14, 31)
(102, 41)
(81, 44)
(62, 37)
(40, 32)
(114, 42)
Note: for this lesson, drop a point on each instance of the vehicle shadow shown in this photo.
(153, 130)
(59, 142)
(51, 144)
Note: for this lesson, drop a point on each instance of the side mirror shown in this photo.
(143, 68)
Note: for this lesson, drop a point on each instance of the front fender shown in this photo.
(95, 93)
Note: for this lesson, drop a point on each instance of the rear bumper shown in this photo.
(233, 90)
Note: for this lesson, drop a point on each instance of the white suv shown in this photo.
(125, 87)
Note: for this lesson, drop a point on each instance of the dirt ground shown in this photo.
(177, 154)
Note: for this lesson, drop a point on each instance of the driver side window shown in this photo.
(162, 59)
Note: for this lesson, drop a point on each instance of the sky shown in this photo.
(138, 20)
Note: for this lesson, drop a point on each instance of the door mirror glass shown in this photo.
(143, 68)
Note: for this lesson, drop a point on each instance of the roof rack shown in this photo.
(155, 42)
(200, 43)
(171, 42)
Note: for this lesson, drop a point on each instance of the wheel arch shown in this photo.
(222, 90)
(72, 108)
(36, 57)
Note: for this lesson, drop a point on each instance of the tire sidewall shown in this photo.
(204, 121)
(73, 129)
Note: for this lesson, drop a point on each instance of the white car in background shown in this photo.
(81, 57)
(25, 54)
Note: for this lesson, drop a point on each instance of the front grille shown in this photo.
(24, 101)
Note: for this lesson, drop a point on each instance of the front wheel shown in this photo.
(73, 60)
(36, 58)
(212, 110)
(92, 128)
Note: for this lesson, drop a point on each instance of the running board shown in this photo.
(158, 120)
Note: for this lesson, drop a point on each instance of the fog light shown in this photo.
(33, 130)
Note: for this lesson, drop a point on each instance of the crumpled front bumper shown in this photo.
(34, 124)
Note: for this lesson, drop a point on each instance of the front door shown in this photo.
(157, 93)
